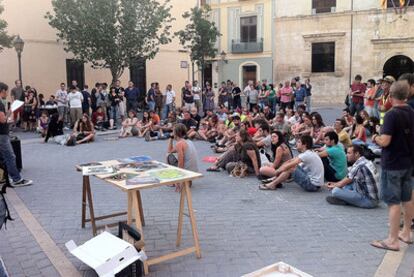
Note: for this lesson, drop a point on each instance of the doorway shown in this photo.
(249, 74)
(138, 74)
(398, 65)
(75, 70)
(208, 74)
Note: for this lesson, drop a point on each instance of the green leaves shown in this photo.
(200, 35)
(5, 39)
(111, 33)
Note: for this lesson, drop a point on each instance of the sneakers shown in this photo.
(21, 183)
(335, 201)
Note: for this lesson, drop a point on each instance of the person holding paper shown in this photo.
(6, 151)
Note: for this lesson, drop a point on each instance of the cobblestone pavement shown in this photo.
(241, 228)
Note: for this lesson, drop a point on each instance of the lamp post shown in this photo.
(19, 45)
(223, 61)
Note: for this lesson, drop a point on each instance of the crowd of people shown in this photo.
(263, 130)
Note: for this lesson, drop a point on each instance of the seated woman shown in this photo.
(317, 129)
(186, 153)
(84, 130)
(98, 119)
(129, 125)
(305, 128)
(359, 133)
(143, 126)
(42, 123)
(282, 155)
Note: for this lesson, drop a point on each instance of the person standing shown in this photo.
(370, 97)
(86, 103)
(151, 97)
(169, 96)
(397, 142)
(209, 101)
(308, 98)
(6, 151)
(188, 96)
(252, 97)
(75, 102)
(17, 93)
(62, 102)
(223, 95)
(357, 94)
(131, 95)
(197, 97)
(246, 92)
(300, 94)
(286, 96)
(236, 92)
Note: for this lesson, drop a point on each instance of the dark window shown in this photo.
(75, 70)
(323, 6)
(396, 3)
(323, 57)
(248, 29)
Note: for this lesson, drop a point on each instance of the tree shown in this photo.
(111, 33)
(5, 39)
(199, 36)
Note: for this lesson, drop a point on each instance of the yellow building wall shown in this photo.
(44, 60)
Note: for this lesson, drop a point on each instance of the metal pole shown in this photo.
(19, 59)
(192, 71)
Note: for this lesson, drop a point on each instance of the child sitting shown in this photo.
(42, 123)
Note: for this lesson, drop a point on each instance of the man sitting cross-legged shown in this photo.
(333, 158)
(307, 168)
(359, 188)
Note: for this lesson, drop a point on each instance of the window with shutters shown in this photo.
(248, 29)
(323, 57)
(323, 6)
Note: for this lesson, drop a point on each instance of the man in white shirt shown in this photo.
(169, 98)
(307, 168)
(245, 93)
(197, 97)
(75, 98)
(62, 102)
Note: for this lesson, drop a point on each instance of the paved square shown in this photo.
(241, 228)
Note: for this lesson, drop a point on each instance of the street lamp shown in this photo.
(19, 45)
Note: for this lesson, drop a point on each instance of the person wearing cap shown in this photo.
(378, 93)
(385, 100)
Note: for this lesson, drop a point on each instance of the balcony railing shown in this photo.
(239, 47)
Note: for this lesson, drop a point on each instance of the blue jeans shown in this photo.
(166, 110)
(356, 108)
(302, 179)
(308, 103)
(8, 158)
(151, 105)
(298, 103)
(354, 198)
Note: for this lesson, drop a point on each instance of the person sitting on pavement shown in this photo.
(265, 142)
(306, 169)
(129, 125)
(343, 135)
(359, 132)
(282, 155)
(7, 155)
(98, 119)
(333, 158)
(359, 188)
(42, 124)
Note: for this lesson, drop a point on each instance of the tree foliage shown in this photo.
(112, 33)
(200, 35)
(5, 39)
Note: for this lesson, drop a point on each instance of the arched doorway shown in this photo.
(398, 65)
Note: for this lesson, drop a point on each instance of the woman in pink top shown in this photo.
(286, 96)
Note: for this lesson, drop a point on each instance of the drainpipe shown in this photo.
(352, 35)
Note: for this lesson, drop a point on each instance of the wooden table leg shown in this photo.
(90, 204)
(141, 211)
(192, 218)
(180, 218)
(130, 207)
(84, 200)
(138, 224)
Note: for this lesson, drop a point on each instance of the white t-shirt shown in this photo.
(75, 99)
(197, 91)
(267, 145)
(312, 164)
(62, 98)
(169, 96)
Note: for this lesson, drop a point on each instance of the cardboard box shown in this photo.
(279, 269)
(106, 254)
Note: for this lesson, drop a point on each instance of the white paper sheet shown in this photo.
(16, 105)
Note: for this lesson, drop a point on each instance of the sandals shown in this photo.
(382, 245)
(405, 241)
(268, 180)
(213, 169)
(264, 187)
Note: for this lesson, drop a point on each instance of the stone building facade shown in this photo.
(330, 45)
(45, 64)
(246, 42)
